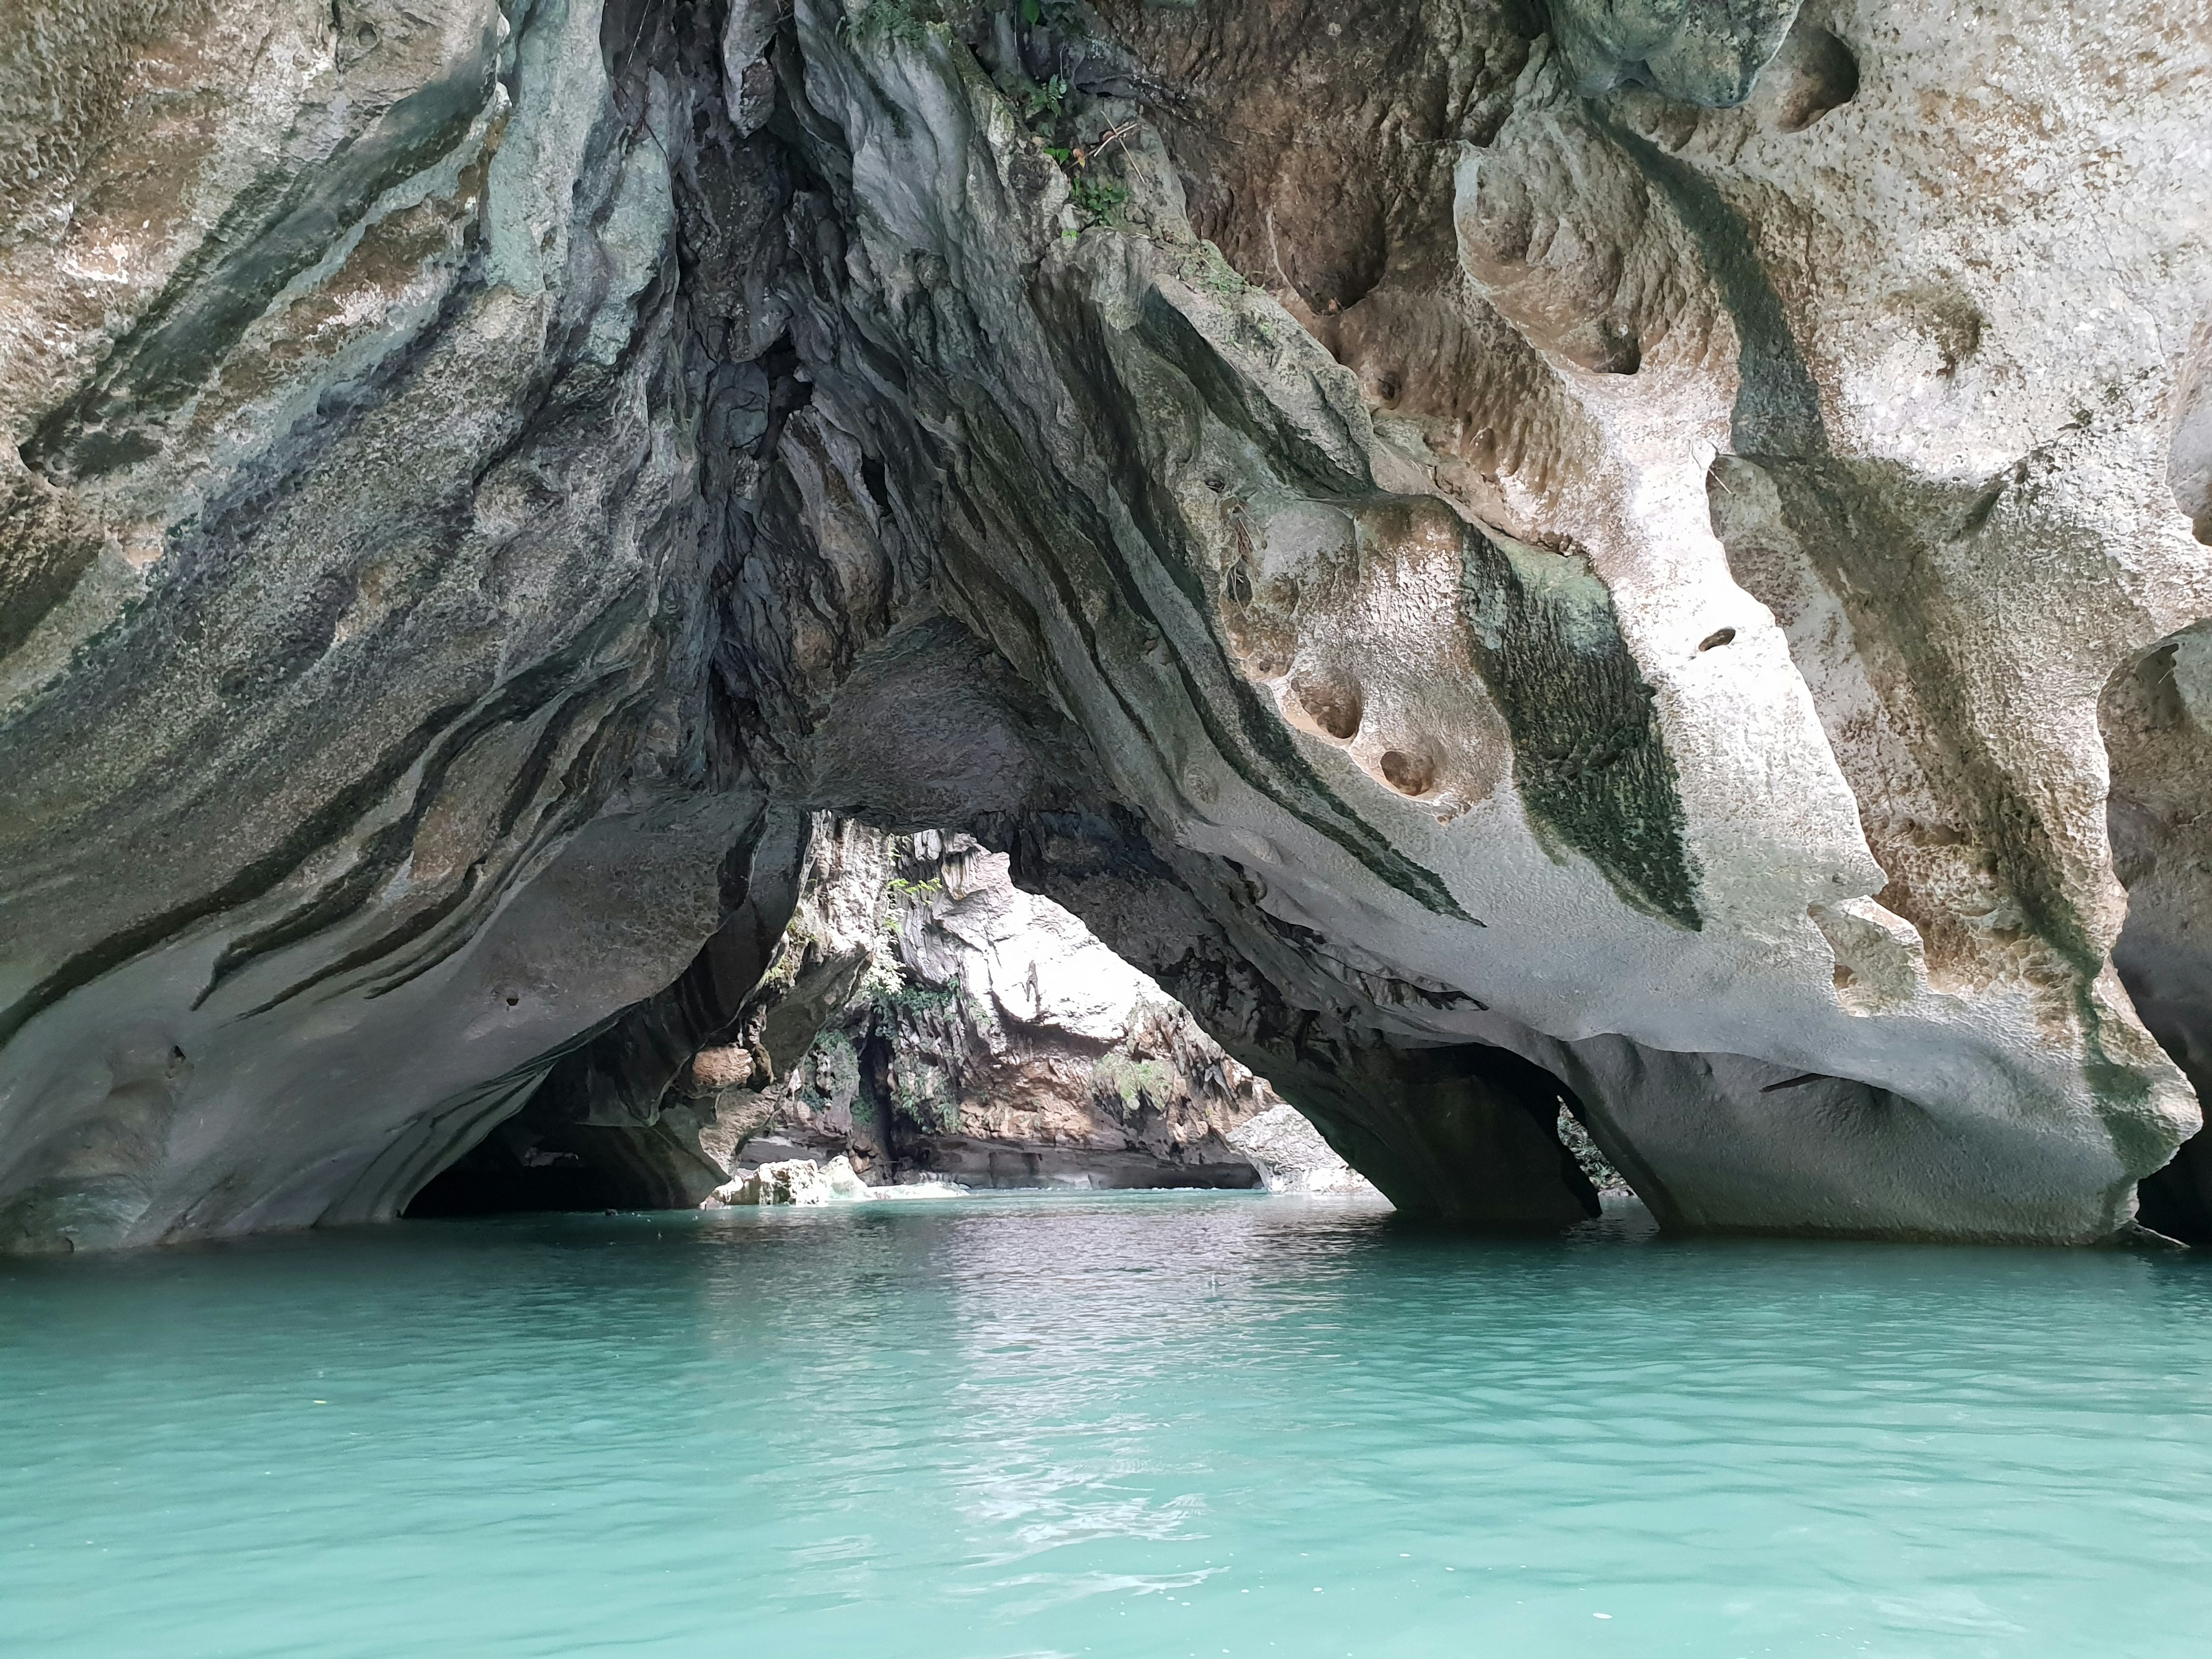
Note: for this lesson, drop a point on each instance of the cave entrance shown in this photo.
(2156, 713)
(923, 1020)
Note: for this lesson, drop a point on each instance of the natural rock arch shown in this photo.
(479, 483)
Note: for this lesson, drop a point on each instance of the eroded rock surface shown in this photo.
(1505, 561)
(797, 1181)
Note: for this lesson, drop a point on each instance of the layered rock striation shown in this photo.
(1638, 559)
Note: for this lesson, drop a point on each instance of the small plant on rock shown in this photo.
(1098, 199)
(1040, 106)
(894, 20)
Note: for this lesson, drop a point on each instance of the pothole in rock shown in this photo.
(1814, 73)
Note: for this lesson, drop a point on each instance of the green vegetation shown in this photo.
(893, 20)
(1587, 753)
(1097, 199)
(898, 893)
(834, 1064)
(791, 953)
(1040, 108)
(1060, 16)
(1132, 1080)
(891, 1001)
(923, 1096)
(1043, 109)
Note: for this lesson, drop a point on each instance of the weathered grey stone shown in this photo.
(1702, 51)
(1293, 1158)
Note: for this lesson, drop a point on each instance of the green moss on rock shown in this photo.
(1592, 767)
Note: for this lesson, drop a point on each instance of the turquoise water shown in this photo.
(1127, 1424)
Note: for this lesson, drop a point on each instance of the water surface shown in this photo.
(1128, 1425)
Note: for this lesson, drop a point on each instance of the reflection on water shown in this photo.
(1115, 1424)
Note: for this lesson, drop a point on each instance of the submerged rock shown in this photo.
(1497, 559)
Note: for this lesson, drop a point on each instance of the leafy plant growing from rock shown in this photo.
(1099, 200)
(1043, 108)
(894, 20)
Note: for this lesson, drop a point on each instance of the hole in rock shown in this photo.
(1814, 73)
(1719, 636)
(1409, 774)
(1327, 235)
(874, 480)
(920, 1022)
(2156, 713)
(1334, 702)
(1613, 347)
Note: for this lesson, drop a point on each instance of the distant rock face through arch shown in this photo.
(927, 1023)
(1501, 561)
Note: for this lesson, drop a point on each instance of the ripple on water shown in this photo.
(1126, 1425)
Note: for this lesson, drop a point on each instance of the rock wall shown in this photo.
(1506, 557)
(987, 1039)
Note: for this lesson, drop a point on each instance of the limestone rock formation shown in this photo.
(1292, 1157)
(1506, 556)
(987, 1039)
(796, 1180)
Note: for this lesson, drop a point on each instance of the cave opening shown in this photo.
(2156, 714)
(920, 1020)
